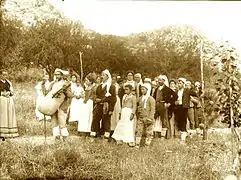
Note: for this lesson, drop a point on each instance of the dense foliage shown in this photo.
(227, 83)
(172, 50)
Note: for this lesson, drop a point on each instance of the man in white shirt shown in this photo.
(139, 82)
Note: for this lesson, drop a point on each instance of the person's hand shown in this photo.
(167, 105)
(6, 94)
(77, 97)
(43, 82)
(110, 112)
(81, 53)
(132, 116)
(98, 100)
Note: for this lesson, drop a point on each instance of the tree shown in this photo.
(227, 84)
(172, 50)
(10, 35)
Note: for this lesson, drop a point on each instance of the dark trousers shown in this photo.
(181, 117)
(162, 111)
(97, 117)
(198, 116)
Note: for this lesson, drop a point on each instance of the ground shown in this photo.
(29, 157)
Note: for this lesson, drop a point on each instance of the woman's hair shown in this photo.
(172, 80)
(74, 75)
(78, 80)
(114, 75)
(132, 72)
(129, 86)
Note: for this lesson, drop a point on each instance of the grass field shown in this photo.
(83, 159)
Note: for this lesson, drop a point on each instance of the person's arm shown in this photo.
(153, 107)
(93, 93)
(173, 97)
(155, 92)
(49, 88)
(68, 92)
(134, 102)
(11, 91)
(193, 93)
(111, 99)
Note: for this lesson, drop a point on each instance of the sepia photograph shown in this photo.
(120, 90)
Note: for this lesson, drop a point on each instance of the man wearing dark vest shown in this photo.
(105, 102)
(165, 98)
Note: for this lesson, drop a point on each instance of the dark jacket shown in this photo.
(100, 93)
(186, 97)
(168, 95)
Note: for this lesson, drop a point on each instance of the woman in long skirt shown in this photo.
(8, 123)
(77, 103)
(39, 88)
(115, 117)
(125, 128)
(85, 121)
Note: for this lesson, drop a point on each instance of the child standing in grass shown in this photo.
(146, 112)
(125, 128)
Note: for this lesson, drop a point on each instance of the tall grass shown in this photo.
(82, 159)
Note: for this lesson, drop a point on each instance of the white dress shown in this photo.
(85, 122)
(157, 125)
(40, 94)
(124, 130)
(76, 107)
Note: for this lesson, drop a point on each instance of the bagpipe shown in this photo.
(49, 104)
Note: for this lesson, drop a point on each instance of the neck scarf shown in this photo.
(107, 83)
(145, 97)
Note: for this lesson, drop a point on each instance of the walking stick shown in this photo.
(81, 67)
(45, 130)
(202, 86)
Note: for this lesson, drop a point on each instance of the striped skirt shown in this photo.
(8, 123)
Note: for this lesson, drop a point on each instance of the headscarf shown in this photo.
(139, 75)
(147, 80)
(61, 71)
(107, 83)
(183, 80)
(154, 83)
(164, 77)
(197, 84)
(188, 83)
(145, 97)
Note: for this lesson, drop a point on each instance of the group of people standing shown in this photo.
(127, 110)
